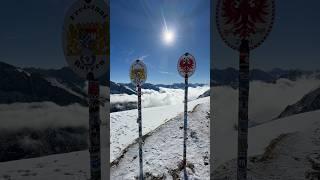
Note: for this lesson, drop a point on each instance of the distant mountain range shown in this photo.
(64, 87)
(19, 85)
(60, 86)
(229, 76)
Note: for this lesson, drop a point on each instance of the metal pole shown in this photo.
(185, 128)
(94, 128)
(140, 133)
(243, 110)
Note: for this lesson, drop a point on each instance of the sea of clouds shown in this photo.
(266, 100)
(265, 103)
(39, 115)
(163, 97)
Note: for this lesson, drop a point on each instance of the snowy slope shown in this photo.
(55, 82)
(68, 166)
(124, 127)
(75, 165)
(286, 148)
(62, 166)
(265, 103)
(22, 71)
(309, 102)
(163, 149)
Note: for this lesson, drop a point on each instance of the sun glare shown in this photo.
(168, 37)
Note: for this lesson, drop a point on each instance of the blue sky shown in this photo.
(137, 32)
(30, 35)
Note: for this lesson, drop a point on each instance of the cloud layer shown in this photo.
(166, 96)
(44, 115)
(266, 101)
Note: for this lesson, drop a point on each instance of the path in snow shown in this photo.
(163, 149)
(124, 126)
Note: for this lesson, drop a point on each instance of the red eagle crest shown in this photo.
(186, 65)
(244, 15)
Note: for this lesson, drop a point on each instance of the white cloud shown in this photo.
(166, 96)
(45, 114)
(266, 101)
(164, 72)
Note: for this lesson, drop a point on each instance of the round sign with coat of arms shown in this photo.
(86, 37)
(186, 65)
(138, 73)
(239, 20)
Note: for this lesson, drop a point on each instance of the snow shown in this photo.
(75, 165)
(55, 82)
(123, 125)
(291, 156)
(61, 166)
(260, 136)
(68, 166)
(163, 149)
(22, 71)
(266, 101)
(129, 88)
(299, 143)
(294, 134)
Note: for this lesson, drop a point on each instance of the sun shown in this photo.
(168, 37)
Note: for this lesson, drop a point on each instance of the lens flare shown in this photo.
(168, 37)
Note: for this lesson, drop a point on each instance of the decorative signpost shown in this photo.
(243, 26)
(138, 76)
(186, 67)
(86, 49)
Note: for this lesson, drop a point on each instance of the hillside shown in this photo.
(276, 147)
(18, 85)
(75, 165)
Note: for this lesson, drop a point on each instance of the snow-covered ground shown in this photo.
(266, 101)
(163, 147)
(124, 127)
(69, 166)
(42, 115)
(123, 133)
(293, 133)
(162, 151)
(286, 148)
